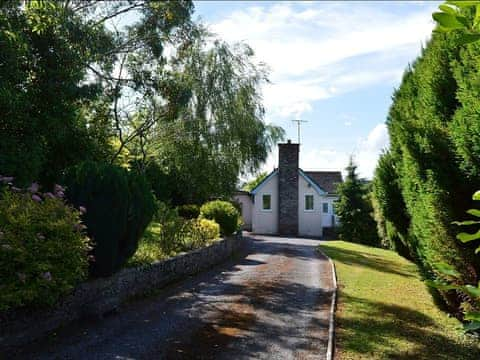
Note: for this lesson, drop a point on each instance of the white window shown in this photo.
(309, 203)
(325, 208)
(266, 202)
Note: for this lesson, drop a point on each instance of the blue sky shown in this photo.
(334, 64)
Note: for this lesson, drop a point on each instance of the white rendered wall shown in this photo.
(263, 221)
(309, 222)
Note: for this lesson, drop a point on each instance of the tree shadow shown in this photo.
(382, 326)
(359, 258)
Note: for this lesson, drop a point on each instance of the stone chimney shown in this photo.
(288, 188)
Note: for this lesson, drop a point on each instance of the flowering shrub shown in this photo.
(224, 213)
(43, 250)
(197, 233)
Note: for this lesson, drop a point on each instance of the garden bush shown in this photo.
(224, 213)
(189, 211)
(43, 250)
(120, 206)
(197, 233)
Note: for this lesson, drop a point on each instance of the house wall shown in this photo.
(309, 222)
(246, 204)
(266, 222)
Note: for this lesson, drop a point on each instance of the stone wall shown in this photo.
(288, 189)
(104, 295)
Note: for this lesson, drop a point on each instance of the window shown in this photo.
(325, 208)
(266, 202)
(308, 202)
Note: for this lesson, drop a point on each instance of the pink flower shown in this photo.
(36, 198)
(58, 188)
(16, 189)
(34, 188)
(47, 276)
(82, 209)
(60, 194)
(40, 236)
(49, 195)
(79, 227)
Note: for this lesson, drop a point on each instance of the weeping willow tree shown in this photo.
(219, 132)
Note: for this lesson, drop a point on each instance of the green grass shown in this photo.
(148, 248)
(386, 312)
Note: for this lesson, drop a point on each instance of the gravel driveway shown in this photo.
(270, 303)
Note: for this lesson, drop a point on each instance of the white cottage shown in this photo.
(290, 201)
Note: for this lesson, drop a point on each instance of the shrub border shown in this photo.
(104, 295)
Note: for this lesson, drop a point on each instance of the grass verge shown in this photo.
(386, 312)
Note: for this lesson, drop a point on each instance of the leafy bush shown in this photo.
(120, 206)
(190, 211)
(224, 213)
(197, 233)
(43, 251)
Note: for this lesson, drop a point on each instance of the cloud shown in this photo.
(313, 49)
(369, 150)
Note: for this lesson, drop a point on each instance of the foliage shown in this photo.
(470, 310)
(43, 250)
(224, 213)
(433, 162)
(252, 184)
(385, 311)
(355, 210)
(120, 206)
(462, 16)
(389, 206)
(170, 234)
(190, 211)
(42, 129)
(220, 129)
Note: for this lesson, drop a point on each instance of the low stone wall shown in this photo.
(100, 296)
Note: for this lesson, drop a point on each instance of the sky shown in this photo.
(333, 64)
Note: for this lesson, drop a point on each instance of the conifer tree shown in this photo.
(355, 210)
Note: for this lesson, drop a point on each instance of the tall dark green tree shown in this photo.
(355, 210)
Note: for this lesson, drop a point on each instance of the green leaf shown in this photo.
(475, 325)
(467, 39)
(448, 9)
(446, 269)
(466, 237)
(441, 285)
(476, 196)
(474, 212)
(448, 21)
(472, 290)
(466, 222)
(472, 315)
(462, 4)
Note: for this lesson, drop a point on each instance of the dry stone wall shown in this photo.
(104, 295)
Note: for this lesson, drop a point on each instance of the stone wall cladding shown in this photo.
(288, 189)
(100, 296)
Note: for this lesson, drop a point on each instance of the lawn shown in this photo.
(386, 312)
(148, 248)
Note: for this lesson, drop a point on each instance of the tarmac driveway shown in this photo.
(271, 302)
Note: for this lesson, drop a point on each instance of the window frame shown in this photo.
(263, 203)
(305, 203)
(323, 208)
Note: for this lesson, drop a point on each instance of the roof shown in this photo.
(327, 180)
(264, 181)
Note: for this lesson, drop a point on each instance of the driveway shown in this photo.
(271, 302)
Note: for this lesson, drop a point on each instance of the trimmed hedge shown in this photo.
(224, 213)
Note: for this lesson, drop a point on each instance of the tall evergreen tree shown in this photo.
(355, 210)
